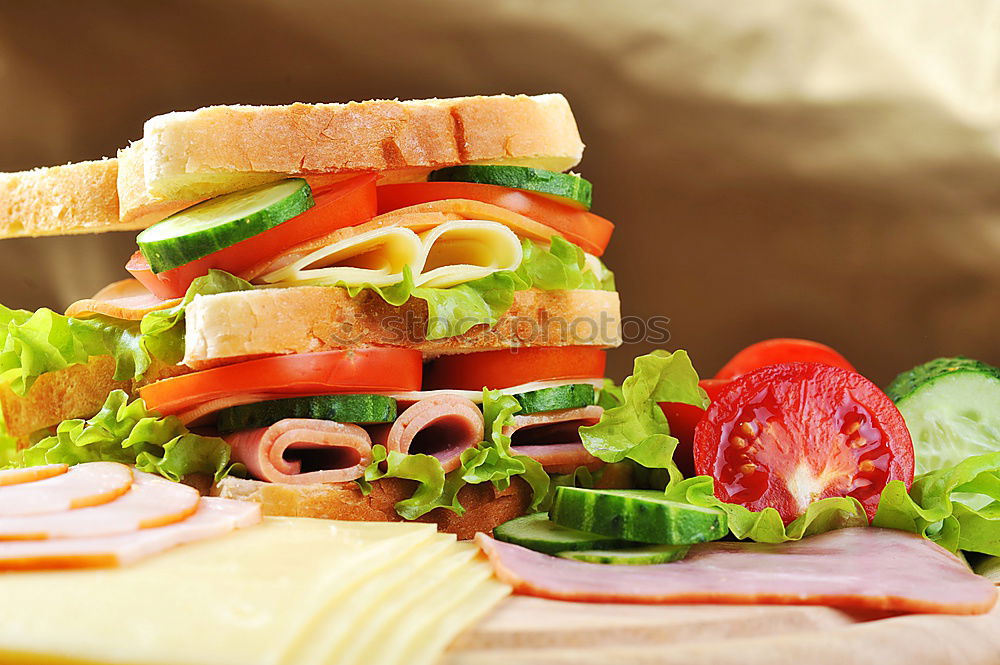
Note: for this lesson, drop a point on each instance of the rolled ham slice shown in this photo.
(151, 502)
(443, 426)
(860, 568)
(552, 438)
(214, 517)
(301, 451)
(84, 485)
(30, 474)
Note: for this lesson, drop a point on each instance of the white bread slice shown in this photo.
(188, 156)
(59, 200)
(226, 327)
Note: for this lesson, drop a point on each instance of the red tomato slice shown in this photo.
(346, 371)
(513, 367)
(346, 203)
(781, 350)
(589, 231)
(787, 435)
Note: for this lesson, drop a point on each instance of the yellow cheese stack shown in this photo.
(291, 591)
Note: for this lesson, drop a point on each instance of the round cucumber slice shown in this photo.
(952, 409)
(572, 396)
(537, 532)
(572, 188)
(223, 221)
(638, 515)
(339, 408)
(635, 556)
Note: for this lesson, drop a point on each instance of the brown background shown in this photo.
(792, 168)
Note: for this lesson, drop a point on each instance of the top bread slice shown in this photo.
(188, 156)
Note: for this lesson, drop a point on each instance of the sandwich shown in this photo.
(373, 311)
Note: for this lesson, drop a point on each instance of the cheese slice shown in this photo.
(462, 251)
(255, 597)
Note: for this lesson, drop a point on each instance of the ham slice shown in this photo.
(90, 484)
(30, 474)
(443, 426)
(861, 568)
(214, 517)
(151, 502)
(301, 451)
(127, 299)
(552, 438)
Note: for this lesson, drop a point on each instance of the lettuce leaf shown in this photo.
(495, 454)
(637, 429)
(434, 489)
(127, 432)
(561, 265)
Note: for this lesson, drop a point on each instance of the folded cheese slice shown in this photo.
(463, 251)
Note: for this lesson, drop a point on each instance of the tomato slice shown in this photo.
(513, 367)
(345, 203)
(345, 371)
(781, 350)
(790, 434)
(589, 231)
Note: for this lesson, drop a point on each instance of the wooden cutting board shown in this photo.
(530, 630)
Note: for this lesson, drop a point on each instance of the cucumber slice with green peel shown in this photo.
(634, 556)
(366, 409)
(574, 189)
(952, 408)
(223, 221)
(556, 398)
(638, 515)
(537, 532)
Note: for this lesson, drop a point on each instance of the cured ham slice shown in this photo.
(90, 484)
(552, 438)
(443, 426)
(30, 474)
(151, 502)
(214, 517)
(301, 451)
(862, 568)
(127, 299)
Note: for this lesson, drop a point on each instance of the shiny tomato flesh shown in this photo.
(364, 370)
(514, 367)
(787, 435)
(346, 203)
(589, 231)
(781, 350)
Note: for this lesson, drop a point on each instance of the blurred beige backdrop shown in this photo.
(818, 168)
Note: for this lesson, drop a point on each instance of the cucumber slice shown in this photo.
(952, 409)
(572, 188)
(635, 556)
(223, 221)
(537, 532)
(638, 515)
(572, 396)
(339, 408)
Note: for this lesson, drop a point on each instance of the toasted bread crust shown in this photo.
(230, 326)
(485, 507)
(191, 155)
(58, 200)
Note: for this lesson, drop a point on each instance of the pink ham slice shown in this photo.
(90, 484)
(863, 568)
(301, 451)
(552, 438)
(443, 426)
(151, 502)
(127, 299)
(31, 474)
(214, 517)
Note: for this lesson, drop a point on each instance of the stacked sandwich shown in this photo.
(381, 310)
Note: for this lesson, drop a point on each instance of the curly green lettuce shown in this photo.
(127, 432)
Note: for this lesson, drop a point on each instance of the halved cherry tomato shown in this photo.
(781, 350)
(345, 371)
(346, 203)
(683, 418)
(513, 367)
(787, 435)
(589, 231)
